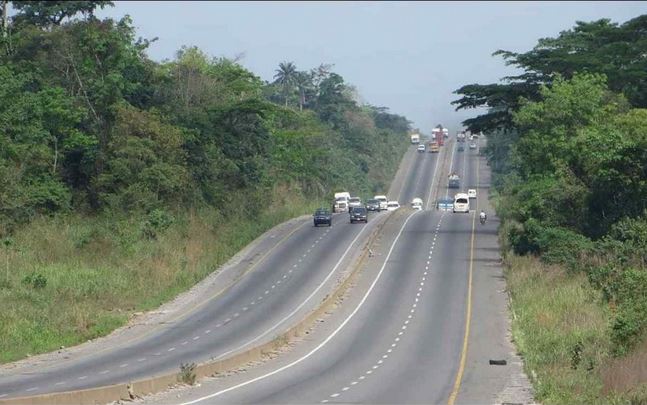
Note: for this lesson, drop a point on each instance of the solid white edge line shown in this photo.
(300, 305)
(322, 344)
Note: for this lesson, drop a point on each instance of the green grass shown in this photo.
(561, 327)
(94, 272)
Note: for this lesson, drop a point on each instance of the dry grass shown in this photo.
(100, 270)
(626, 374)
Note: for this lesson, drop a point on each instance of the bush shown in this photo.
(158, 220)
(562, 246)
(35, 280)
(630, 292)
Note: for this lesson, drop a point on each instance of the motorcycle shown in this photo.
(482, 218)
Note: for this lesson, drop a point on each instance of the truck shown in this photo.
(460, 137)
(454, 181)
(341, 202)
(415, 138)
(437, 134)
(433, 147)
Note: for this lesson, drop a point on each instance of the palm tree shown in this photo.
(303, 81)
(285, 76)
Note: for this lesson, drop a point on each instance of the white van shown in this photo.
(341, 202)
(383, 201)
(416, 203)
(461, 203)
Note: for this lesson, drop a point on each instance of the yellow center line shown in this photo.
(468, 314)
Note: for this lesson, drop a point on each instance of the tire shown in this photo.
(329, 223)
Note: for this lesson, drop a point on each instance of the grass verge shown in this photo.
(68, 279)
(561, 327)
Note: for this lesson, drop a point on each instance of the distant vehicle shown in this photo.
(322, 216)
(373, 205)
(433, 147)
(415, 138)
(454, 181)
(383, 201)
(416, 203)
(358, 214)
(461, 203)
(354, 202)
(460, 137)
(472, 145)
(460, 147)
(421, 148)
(438, 134)
(341, 201)
(392, 205)
(445, 204)
(471, 193)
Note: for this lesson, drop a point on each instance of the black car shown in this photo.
(373, 205)
(359, 214)
(322, 216)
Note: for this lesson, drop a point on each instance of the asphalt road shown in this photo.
(401, 336)
(277, 293)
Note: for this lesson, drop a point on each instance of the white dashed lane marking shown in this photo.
(404, 327)
(104, 372)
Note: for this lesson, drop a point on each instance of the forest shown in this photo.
(567, 144)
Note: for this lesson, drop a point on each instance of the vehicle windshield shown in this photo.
(359, 210)
(462, 201)
(372, 202)
(321, 212)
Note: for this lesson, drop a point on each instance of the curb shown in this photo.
(133, 390)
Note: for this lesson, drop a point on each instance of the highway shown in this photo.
(285, 286)
(399, 337)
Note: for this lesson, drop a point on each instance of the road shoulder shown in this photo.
(490, 337)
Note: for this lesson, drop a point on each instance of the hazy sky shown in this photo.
(408, 56)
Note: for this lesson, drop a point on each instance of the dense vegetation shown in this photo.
(567, 142)
(124, 181)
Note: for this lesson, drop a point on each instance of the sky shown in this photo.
(407, 56)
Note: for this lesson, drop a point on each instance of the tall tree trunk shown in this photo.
(5, 5)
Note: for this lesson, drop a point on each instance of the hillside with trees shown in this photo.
(124, 181)
(567, 143)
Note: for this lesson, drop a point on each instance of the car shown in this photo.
(471, 193)
(421, 148)
(392, 205)
(383, 201)
(472, 145)
(322, 216)
(354, 202)
(416, 203)
(373, 205)
(461, 203)
(460, 147)
(445, 204)
(358, 214)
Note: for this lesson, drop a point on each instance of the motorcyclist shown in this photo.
(483, 217)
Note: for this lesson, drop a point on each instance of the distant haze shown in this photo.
(408, 56)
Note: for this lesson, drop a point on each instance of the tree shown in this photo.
(286, 76)
(616, 51)
(45, 14)
(303, 81)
